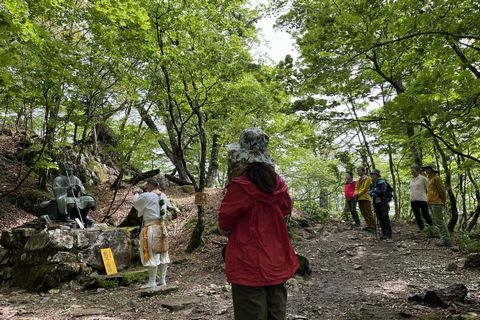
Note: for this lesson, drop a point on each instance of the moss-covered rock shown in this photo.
(96, 280)
(16, 238)
(188, 189)
(44, 277)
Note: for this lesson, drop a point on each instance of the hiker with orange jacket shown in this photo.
(436, 198)
(361, 194)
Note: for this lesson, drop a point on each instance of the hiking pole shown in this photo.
(74, 197)
(378, 228)
(377, 223)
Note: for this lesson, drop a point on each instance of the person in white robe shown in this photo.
(148, 207)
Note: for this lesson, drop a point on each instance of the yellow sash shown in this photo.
(146, 254)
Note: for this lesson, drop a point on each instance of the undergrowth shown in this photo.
(469, 243)
(312, 211)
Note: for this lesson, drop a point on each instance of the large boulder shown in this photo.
(132, 219)
(58, 239)
(46, 276)
(16, 238)
(119, 240)
(42, 259)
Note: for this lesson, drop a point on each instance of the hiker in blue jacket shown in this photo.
(380, 199)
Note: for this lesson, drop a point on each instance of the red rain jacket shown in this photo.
(349, 189)
(259, 252)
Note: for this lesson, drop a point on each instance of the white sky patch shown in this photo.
(274, 44)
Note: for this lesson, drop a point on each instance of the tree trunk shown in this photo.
(177, 180)
(51, 117)
(462, 190)
(213, 163)
(396, 198)
(19, 117)
(5, 113)
(196, 238)
(323, 199)
(397, 84)
(362, 133)
(476, 215)
(416, 156)
(173, 153)
(448, 185)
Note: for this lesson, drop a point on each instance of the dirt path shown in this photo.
(359, 277)
(355, 276)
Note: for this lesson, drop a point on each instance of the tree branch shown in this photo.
(410, 36)
(446, 143)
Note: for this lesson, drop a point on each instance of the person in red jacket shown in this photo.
(349, 192)
(259, 256)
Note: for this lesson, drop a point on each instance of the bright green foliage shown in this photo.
(469, 244)
(400, 73)
(421, 56)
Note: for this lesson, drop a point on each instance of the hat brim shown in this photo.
(433, 169)
(142, 184)
(238, 154)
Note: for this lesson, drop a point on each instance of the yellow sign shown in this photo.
(201, 198)
(108, 261)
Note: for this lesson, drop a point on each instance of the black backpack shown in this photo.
(390, 190)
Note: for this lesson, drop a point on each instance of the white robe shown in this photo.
(147, 205)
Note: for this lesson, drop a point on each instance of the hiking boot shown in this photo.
(369, 229)
(149, 285)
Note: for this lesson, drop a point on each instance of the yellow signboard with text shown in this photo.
(108, 261)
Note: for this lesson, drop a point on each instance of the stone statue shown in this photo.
(72, 202)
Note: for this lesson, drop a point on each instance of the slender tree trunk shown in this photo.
(397, 84)
(213, 163)
(476, 215)
(323, 199)
(127, 115)
(19, 117)
(75, 128)
(362, 133)
(462, 190)
(362, 153)
(95, 138)
(118, 182)
(5, 102)
(31, 119)
(416, 155)
(396, 198)
(196, 238)
(448, 185)
(52, 109)
(172, 153)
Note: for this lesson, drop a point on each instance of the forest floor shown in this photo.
(354, 275)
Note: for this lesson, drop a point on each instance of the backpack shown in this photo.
(390, 190)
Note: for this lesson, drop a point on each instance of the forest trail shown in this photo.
(354, 276)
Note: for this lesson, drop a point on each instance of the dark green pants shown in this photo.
(259, 303)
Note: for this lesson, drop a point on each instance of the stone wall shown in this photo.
(39, 260)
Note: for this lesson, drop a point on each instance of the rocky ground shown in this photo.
(354, 276)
